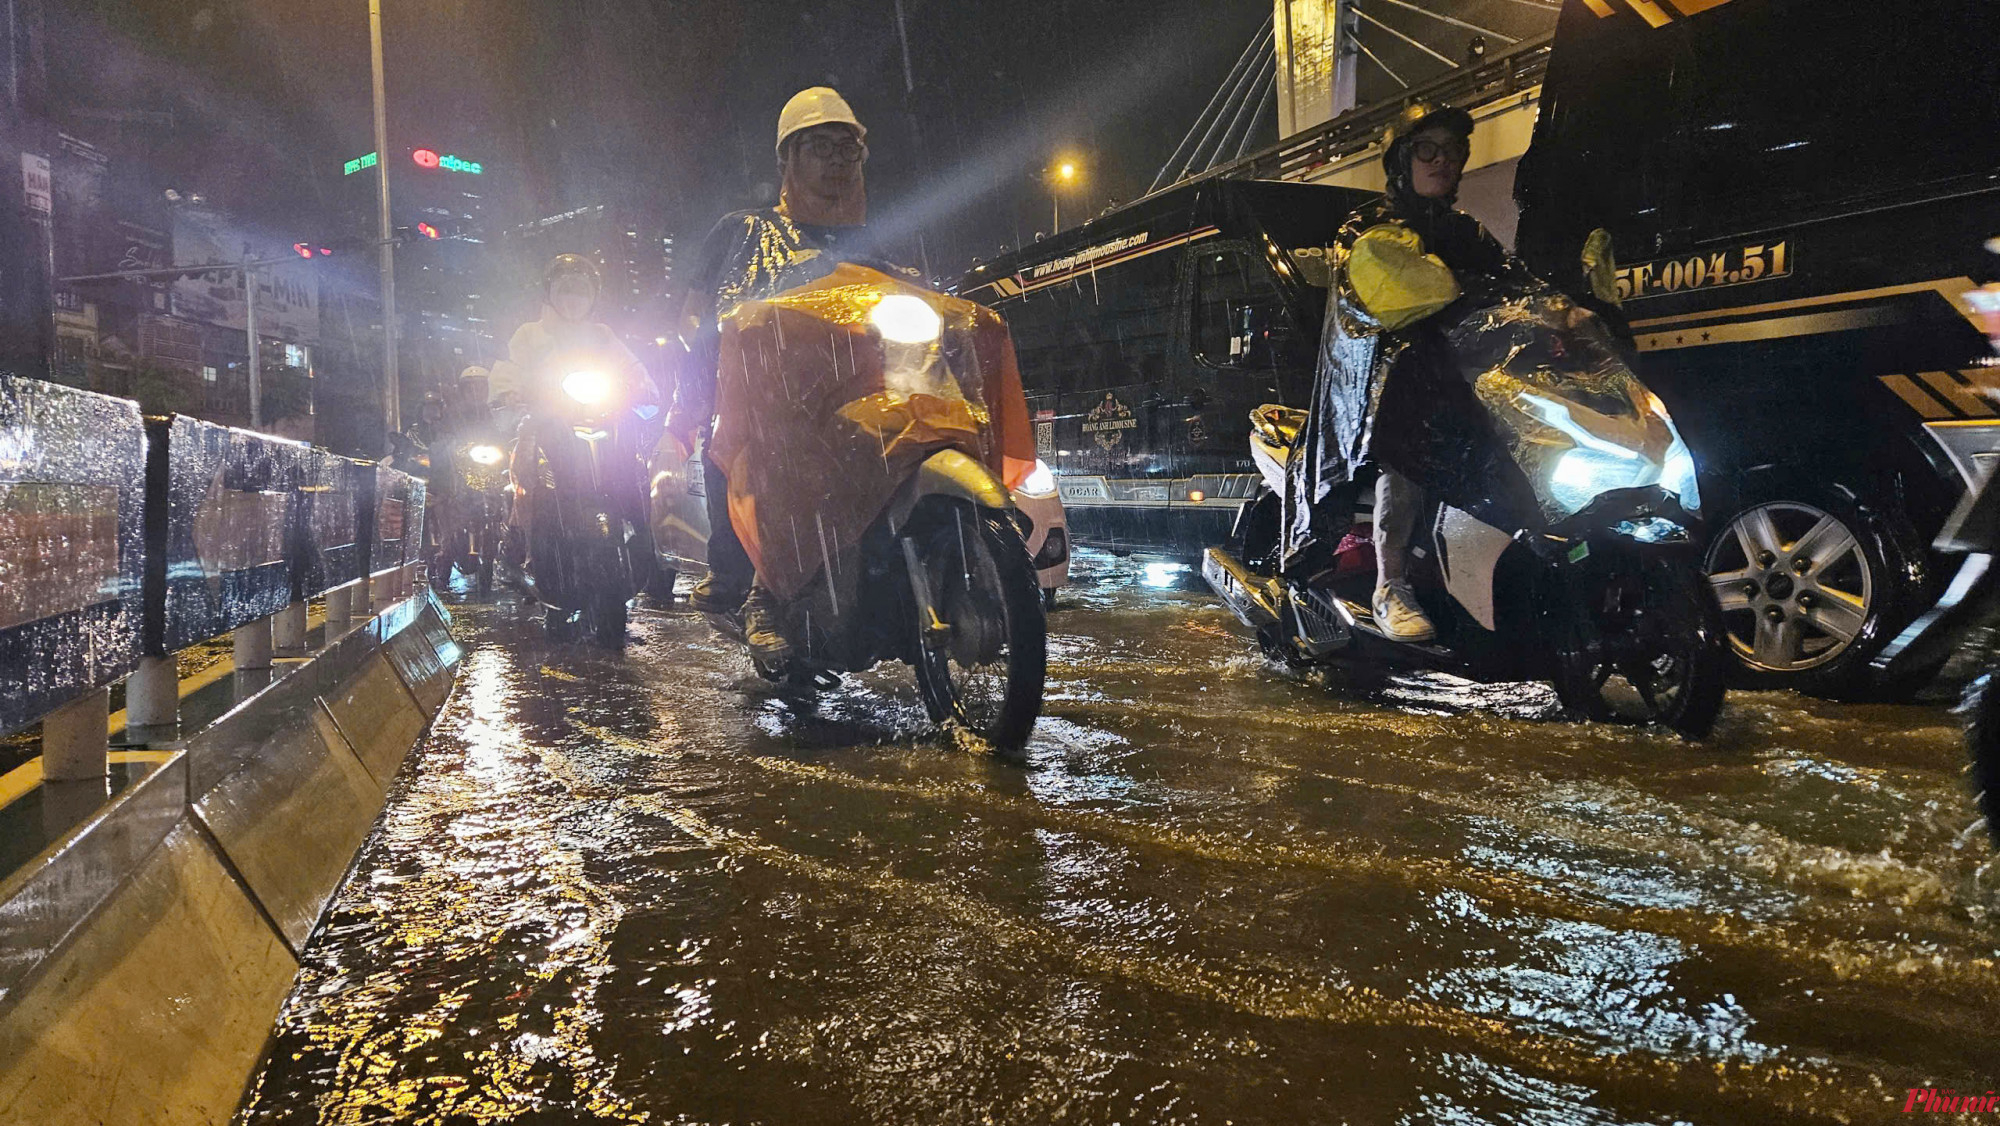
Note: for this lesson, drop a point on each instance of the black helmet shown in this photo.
(1396, 143)
(1418, 115)
(571, 265)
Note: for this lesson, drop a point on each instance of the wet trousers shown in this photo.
(728, 564)
(1397, 503)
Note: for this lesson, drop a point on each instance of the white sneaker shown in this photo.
(1398, 616)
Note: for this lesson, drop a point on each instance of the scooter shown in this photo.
(482, 499)
(940, 577)
(590, 547)
(1963, 623)
(1605, 597)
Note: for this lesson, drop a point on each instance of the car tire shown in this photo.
(1813, 582)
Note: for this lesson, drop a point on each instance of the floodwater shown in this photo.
(650, 887)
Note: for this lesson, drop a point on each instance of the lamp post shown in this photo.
(1060, 177)
(392, 389)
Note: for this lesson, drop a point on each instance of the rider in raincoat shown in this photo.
(822, 209)
(1389, 390)
(565, 334)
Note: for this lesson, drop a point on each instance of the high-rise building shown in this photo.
(445, 208)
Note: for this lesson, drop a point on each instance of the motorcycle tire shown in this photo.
(607, 622)
(1007, 573)
(1681, 594)
(556, 623)
(1982, 748)
(485, 573)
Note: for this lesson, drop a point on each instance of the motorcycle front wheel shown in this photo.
(982, 664)
(1643, 644)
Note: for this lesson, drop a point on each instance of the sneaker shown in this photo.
(711, 597)
(1398, 615)
(764, 630)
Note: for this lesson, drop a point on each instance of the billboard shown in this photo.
(287, 295)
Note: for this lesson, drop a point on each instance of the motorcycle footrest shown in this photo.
(1255, 599)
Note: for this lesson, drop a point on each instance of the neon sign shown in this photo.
(358, 163)
(428, 158)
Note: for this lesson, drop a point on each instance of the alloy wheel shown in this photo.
(1794, 585)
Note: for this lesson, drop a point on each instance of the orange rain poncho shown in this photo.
(820, 419)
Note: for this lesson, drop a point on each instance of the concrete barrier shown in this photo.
(144, 957)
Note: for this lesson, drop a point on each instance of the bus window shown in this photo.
(1239, 315)
(1101, 329)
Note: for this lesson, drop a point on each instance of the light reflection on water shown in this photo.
(651, 887)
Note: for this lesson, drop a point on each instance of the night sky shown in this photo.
(669, 107)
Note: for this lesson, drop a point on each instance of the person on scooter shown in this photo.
(464, 417)
(570, 287)
(1388, 392)
(822, 209)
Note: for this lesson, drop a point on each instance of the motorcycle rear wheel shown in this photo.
(984, 670)
(1657, 659)
(1982, 747)
(607, 621)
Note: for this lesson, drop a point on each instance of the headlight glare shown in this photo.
(905, 319)
(587, 387)
(485, 455)
(1041, 481)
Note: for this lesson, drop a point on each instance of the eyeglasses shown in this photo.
(1428, 150)
(826, 148)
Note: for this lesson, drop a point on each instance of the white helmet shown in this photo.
(816, 105)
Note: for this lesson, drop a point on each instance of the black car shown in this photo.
(1798, 194)
(1147, 336)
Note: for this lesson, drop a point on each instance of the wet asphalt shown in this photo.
(650, 887)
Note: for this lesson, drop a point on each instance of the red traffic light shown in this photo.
(302, 250)
(426, 230)
(425, 158)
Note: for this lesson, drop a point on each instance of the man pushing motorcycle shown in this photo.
(822, 208)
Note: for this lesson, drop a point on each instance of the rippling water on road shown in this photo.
(650, 887)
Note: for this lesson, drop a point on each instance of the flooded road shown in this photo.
(653, 888)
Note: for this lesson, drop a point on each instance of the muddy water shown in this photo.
(650, 887)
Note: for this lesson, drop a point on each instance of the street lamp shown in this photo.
(1062, 176)
(392, 391)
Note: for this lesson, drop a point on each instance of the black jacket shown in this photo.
(1397, 398)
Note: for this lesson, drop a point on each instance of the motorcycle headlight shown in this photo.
(485, 455)
(587, 387)
(904, 319)
(1677, 475)
(1041, 481)
(1581, 474)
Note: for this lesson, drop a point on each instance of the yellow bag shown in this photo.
(1396, 281)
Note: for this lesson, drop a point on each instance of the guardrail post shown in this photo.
(76, 738)
(153, 693)
(339, 607)
(383, 584)
(253, 645)
(288, 629)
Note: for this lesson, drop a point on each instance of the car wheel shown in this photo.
(1811, 586)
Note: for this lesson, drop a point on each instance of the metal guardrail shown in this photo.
(1355, 131)
(122, 541)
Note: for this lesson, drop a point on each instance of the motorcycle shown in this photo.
(477, 510)
(589, 545)
(865, 420)
(1601, 592)
(1966, 620)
